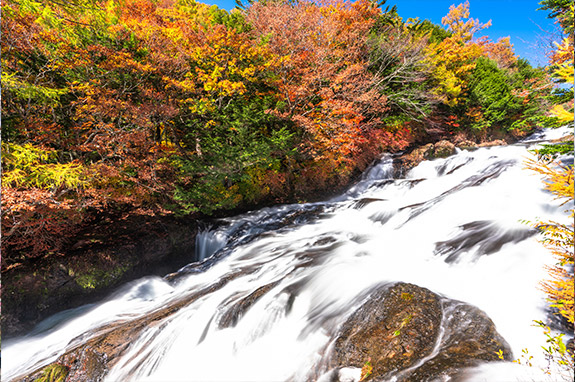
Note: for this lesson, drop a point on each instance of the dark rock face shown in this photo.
(412, 334)
(103, 258)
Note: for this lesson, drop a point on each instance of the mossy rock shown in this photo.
(402, 324)
(394, 329)
(53, 373)
(100, 278)
(443, 149)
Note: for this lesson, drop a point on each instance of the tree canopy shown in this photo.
(175, 106)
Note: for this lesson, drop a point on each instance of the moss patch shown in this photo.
(99, 278)
(53, 373)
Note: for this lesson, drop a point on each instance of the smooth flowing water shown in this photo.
(451, 225)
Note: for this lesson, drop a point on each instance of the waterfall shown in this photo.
(209, 242)
(271, 287)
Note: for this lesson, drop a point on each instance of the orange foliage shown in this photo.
(501, 52)
(323, 74)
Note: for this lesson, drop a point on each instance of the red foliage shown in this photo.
(34, 224)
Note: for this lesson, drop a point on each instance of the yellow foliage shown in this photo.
(558, 237)
(451, 61)
(563, 58)
(563, 53)
(559, 178)
(23, 156)
(454, 57)
(26, 166)
(53, 373)
(561, 114)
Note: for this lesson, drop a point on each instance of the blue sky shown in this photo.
(517, 19)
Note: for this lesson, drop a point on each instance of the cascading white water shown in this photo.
(209, 242)
(452, 226)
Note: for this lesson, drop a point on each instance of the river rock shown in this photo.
(443, 149)
(406, 162)
(413, 334)
(466, 145)
(470, 338)
(233, 314)
(497, 142)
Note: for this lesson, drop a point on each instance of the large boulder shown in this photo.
(413, 334)
(393, 329)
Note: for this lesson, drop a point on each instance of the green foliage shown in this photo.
(560, 360)
(99, 278)
(550, 152)
(435, 33)
(53, 373)
(509, 99)
(562, 11)
(232, 150)
(489, 88)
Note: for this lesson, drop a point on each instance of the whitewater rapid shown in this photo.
(455, 226)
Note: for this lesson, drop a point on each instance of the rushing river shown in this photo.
(451, 225)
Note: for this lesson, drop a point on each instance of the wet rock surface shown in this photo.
(442, 149)
(233, 314)
(466, 145)
(470, 338)
(406, 162)
(413, 334)
(485, 237)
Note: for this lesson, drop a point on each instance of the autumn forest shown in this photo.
(184, 108)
